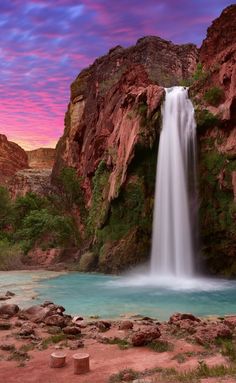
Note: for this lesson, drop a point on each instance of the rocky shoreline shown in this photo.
(121, 350)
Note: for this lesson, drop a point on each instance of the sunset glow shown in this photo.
(45, 44)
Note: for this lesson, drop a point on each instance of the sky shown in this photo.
(45, 43)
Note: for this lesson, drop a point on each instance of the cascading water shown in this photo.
(175, 196)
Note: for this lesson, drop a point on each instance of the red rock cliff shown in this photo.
(12, 159)
(103, 120)
(42, 158)
(215, 101)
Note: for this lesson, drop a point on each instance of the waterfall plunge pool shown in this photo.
(112, 296)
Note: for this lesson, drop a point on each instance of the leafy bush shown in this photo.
(40, 226)
(5, 207)
(25, 205)
(10, 256)
(214, 96)
(71, 189)
(205, 119)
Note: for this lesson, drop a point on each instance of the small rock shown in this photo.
(4, 298)
(47, 303)
(26, 330)
(10, 294)
(71, 330)
(126, 325)
(143, 337)
(7, 347)
(18, 323)
(76, 344)
(5, 326)
(9, 309)
(55, 320)
(103, 325)
(77, 319)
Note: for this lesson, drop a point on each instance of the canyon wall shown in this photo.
(22, 172)
(111, 137)
(12, 159)
(42, 158)
(214, 96)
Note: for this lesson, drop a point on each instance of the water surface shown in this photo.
(110, 296)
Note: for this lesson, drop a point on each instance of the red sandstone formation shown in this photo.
(12, 159)
(30, 180)
(218, 56)
(103, 120)
(42, 158)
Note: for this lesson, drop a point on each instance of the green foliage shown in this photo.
(10, 256)
(33, 220)
(200, 74)
(217, 210)
(119, 377)
(214, 96)
(228, 348)
(98, 209)
(161, 346)
(87, 262)
(5, 208)
(71, 191)
(41, 224)
(205, 119)
(25, 205)
(126, 212)
(123, 344)
(54, 339)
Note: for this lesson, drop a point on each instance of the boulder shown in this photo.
(103, 325)
(55, 320)
(210, 332)
(26, 330)
(177, 317)
(230, 321)
(126, 325)
(143, 337)
(38, 313)
(9, 309)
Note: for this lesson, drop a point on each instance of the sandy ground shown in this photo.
(105, 359)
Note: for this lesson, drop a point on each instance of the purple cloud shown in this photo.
(44, 45)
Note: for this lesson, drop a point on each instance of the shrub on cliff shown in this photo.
(214, 96)
(70, 187)
(5, 208)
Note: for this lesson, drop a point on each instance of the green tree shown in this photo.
(5, 208)
(48, 230)
(71, 191)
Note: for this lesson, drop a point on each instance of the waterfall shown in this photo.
(174, 220)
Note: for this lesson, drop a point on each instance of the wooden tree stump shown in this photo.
(81, 363)
(58, 359)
